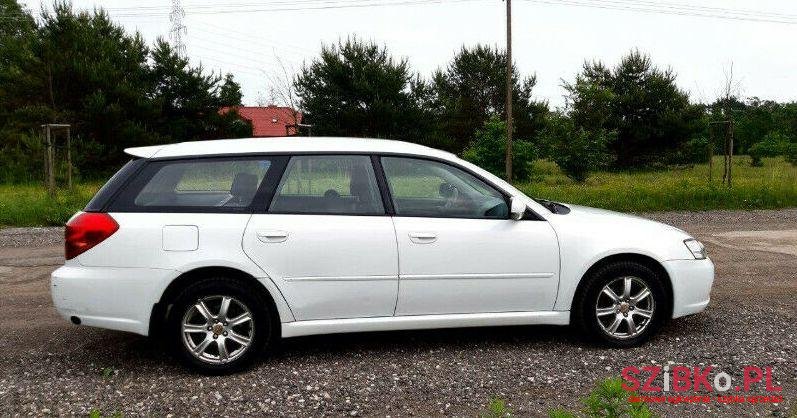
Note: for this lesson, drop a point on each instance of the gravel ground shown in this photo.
(53, 368)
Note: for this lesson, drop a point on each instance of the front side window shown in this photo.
(328, 184)
(433, 189)
(230, 183)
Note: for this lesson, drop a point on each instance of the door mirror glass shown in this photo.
(518, 209)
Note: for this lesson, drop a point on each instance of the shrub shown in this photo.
(791, 154)
(774, 144)
(608, 400)
(488, 150)
(577, 151)
(695, 150)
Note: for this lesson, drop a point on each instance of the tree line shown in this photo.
(83, 69)
(116, 91)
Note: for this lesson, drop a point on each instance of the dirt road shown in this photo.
(50, 367)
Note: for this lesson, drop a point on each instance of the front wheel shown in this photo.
(622, 304)
(218, 326)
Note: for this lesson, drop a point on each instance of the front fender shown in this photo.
(586, 241)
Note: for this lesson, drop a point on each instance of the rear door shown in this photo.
(326, 240)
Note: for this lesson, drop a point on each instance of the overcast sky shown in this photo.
(552, 38)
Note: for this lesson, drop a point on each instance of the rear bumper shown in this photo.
(691, 285)
(113, 298)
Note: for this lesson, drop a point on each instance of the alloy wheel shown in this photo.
(217, 329)
(625, 307)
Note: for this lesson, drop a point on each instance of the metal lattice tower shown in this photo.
(178, 30)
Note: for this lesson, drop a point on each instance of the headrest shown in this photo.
(244, 184)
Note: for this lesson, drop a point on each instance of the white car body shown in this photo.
(338, 273)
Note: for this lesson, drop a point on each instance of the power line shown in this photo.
(307, 8)
(271, 5)
(673, 9)
(643, 6)
(250, 39)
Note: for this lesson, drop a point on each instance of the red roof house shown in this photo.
(269, 121)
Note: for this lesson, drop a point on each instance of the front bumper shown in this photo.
(113, 298)
(691, 285)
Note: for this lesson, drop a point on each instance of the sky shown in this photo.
(699, 40)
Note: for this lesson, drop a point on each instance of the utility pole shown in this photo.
(509, 86)
(178, 28)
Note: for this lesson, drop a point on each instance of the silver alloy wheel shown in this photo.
(218, 329)
(625, 307)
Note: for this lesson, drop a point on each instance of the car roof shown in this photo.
(285, 145)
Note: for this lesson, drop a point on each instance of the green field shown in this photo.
(772, 186)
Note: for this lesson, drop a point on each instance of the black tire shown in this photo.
(585, 315)
(263, 332)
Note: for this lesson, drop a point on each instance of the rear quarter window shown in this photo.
(106, 193)
(206, 185)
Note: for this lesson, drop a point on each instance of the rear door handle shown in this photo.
(423, 237)
(272, 235)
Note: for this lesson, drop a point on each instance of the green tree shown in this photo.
(187, 99)
(576, 150)
(472, 90)
(754, 118)
(230, 92)
(640, 102)
(17, 35)
(17, 147)
(774, 144)
(356, 88)
(487, 150)
(83, 69)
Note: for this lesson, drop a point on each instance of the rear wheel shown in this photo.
(219, 325)
(622, 304)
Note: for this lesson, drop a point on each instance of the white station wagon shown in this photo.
(224, 247)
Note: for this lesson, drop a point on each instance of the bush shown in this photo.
(488, 150)
(695, 151)
(577, 151)
(608, 400)
(791, 154)
(774, 144)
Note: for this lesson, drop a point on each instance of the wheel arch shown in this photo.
(645, 260)
(161, 308)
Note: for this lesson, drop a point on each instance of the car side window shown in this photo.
(328, 184)
(433, 189)
(218, 184)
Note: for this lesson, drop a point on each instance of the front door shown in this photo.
(458, 250)
(326, 241)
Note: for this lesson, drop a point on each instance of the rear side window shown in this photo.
(109, 189)
(210, 184)
(328, 184)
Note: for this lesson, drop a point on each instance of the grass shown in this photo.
(772, 186)
(29, 205)
(769, 187)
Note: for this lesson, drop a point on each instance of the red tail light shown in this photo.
(87, 230)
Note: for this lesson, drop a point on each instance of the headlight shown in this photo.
(697, 249)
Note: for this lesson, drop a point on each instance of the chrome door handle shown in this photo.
(272, 236)
(423, 237)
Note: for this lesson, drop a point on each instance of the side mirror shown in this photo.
(517, 209)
